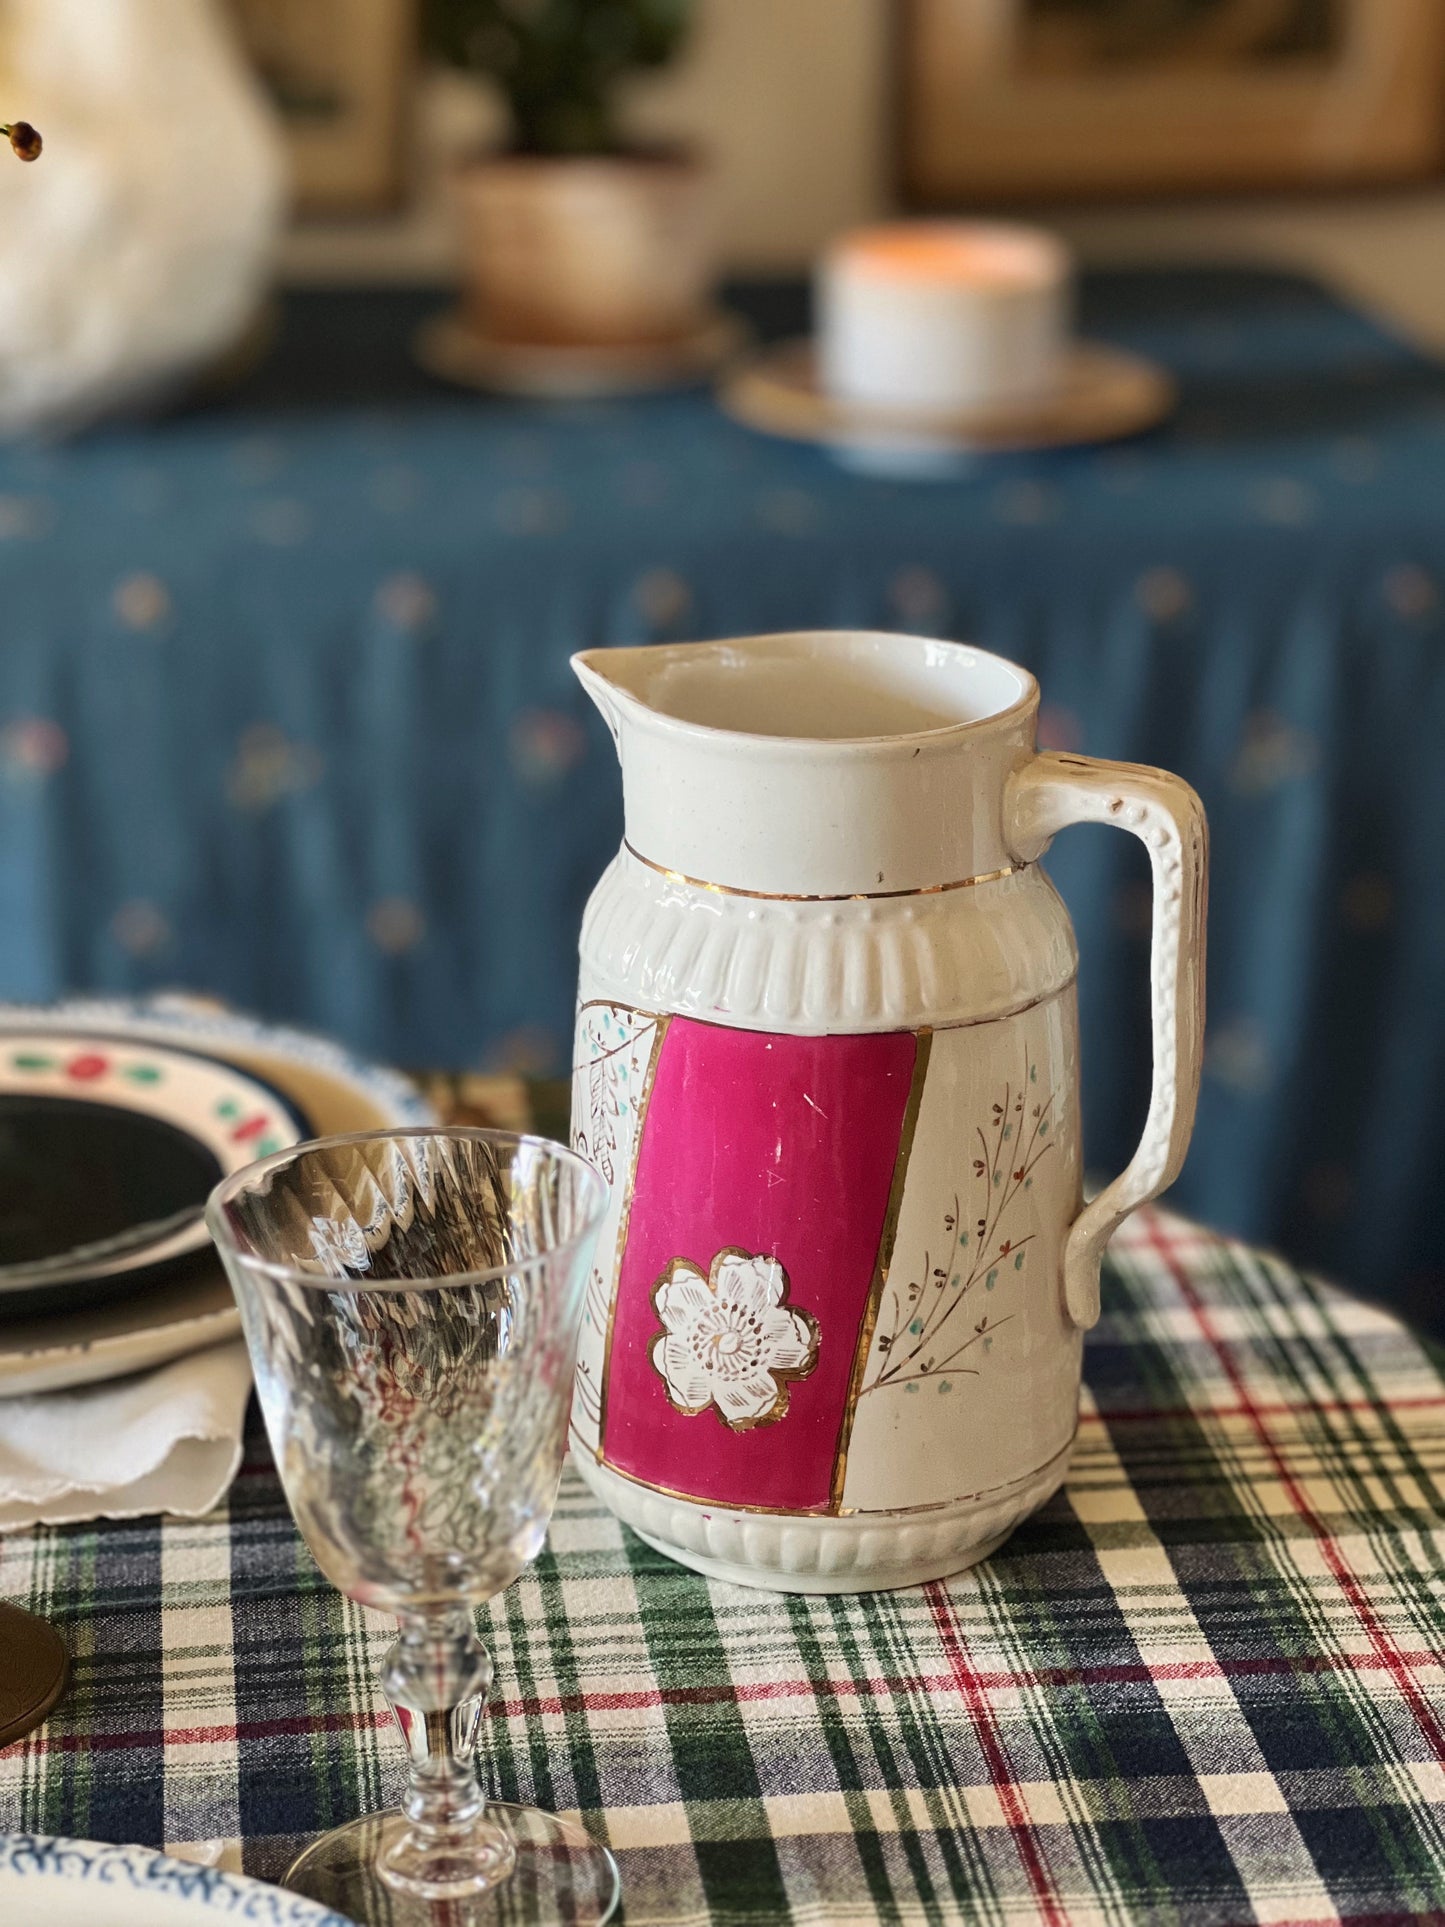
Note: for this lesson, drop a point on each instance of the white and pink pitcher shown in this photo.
(827, 1060)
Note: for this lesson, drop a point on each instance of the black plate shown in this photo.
(76, 1173)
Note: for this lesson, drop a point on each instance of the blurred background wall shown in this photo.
(285, 710)
(794, 100)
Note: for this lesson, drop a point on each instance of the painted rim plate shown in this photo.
(54, 1882)
(150, 1128)
(190, 1307)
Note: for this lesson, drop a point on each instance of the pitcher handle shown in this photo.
(1044, 796)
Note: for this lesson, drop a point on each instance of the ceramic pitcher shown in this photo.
(827, 1059)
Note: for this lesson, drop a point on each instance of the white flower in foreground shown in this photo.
(729, 1340)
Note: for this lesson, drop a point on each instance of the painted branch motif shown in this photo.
(617, 1041)
(618, 1044)
(926, 1326)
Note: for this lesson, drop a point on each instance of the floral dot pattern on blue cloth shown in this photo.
(286, 712)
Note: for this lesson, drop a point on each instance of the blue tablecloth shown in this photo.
(285, 710)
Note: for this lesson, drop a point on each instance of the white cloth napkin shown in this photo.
(167, 1440)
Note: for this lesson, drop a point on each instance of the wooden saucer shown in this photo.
(1103, 394)
(34, 1668)
(453, 348)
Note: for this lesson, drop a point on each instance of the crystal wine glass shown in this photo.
(411, 1301)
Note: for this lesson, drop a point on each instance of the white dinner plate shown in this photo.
(46, 1881)
(337, 1092)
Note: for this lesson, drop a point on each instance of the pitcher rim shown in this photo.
(1026, 702)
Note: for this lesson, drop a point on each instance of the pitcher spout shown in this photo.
(612, 678)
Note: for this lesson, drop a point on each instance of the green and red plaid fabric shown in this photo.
(1205, 1685)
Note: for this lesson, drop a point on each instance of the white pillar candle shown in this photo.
(943, 315)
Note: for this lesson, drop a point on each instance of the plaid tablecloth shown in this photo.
(1205, 1685)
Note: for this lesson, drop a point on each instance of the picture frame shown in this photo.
(1059, 100)
(339, 74)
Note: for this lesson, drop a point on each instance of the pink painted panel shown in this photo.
(780, 1146)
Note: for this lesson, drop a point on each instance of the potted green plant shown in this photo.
(572, 236)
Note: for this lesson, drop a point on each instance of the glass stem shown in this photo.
(436, 1679)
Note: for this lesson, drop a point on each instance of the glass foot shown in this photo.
(559, 1875)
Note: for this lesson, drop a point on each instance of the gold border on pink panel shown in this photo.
(923, 1040)
(886, 1238)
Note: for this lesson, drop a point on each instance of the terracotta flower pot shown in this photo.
(586, 251)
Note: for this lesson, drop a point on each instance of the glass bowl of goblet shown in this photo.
(411, 1300)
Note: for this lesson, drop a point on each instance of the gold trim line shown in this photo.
(847, 896)
(826, 1514)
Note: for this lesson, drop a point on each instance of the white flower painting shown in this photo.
(729, 1340)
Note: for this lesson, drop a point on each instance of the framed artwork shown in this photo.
(338, 72)
(1006, 100)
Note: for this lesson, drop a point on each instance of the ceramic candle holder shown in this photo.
(943, 315)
